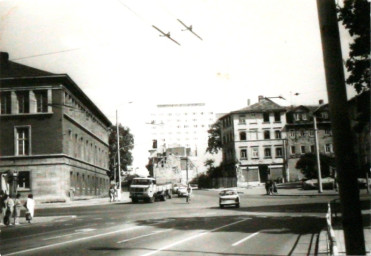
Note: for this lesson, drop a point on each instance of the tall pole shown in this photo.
(343, 147)
(319, 173)
(118, 157)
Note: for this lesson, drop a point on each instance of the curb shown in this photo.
(331, 234)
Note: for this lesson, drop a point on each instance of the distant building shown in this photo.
(183, 125)
(359, 113)
(301, 134)
(51, 133)
(253, 142)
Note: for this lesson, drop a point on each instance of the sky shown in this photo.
(110, 49)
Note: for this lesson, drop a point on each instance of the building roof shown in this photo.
(264, 105)
(12, 74)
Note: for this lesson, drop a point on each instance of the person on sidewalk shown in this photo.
(17, 209)
(111, 193)
(30, 206)
(189, 193)
(9, 206)
(2, 207)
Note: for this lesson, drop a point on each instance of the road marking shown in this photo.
(72, 241)
(77, 231)
(246, 238)
(137, 237)
(191, 238)
(85, 230)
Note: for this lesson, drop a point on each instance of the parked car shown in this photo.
(327, 183)
(175, 188)
(182, 191)
(194, 186)
(228, 197)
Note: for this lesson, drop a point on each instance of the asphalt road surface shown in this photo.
(263, 225)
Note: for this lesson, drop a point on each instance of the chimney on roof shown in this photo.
(248, 102)
(320, 102)
(260, 97)
(4, 58)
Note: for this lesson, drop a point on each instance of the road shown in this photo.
(264, 225)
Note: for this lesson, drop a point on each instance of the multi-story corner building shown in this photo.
(183, 125)
(300, 132)
(253, 142)
(51, 134)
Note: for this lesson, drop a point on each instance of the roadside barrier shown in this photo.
(330, 232)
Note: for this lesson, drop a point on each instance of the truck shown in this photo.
(147, 190)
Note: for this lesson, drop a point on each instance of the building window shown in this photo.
(304, 116)
(302, 148)
(279, 152)
(255, 152)
(267, 135)
(292, 133)
(22, 141)
(24, 181)
(324, 115)
(23, 102)
(297, 116)
(293, 150)
(327, 131)
(253, 134)
(243, 154)
(312, 149)
(302, 133)
(241, 119)
(5, 103)
(277, 117)
(277, 134)
(266, 117)
(242, 135)
(311, 132)
(328, 148)
(267, 153)
(41, 101)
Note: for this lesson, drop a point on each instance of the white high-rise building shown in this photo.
(183, 125)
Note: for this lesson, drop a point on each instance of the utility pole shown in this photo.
(343, 147)
(187, 168)
(319, 173)
(118, 158)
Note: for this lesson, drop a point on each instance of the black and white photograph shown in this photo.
(185, 127)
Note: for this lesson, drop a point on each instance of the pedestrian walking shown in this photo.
(2, 207)
(189, 193)
(17, 209)
(111, 193)
(30, 206)
(9, 206)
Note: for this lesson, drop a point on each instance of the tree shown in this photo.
(308, 165)
(355, 16)
(126, 145)
(214, 142)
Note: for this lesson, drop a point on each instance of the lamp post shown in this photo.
(118, 158)
(317, 154)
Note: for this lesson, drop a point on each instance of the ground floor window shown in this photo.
(24, 180)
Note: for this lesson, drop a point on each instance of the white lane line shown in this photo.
(137, 237)
(246, 238)
(54, 237)
(191, 237)
(73, 241)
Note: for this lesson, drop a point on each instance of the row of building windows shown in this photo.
(185, 113)
(254, 153)
(305, 133)
(83, 184)
(20, 102)
(266, 117)
(86, 151)
(253, 135)
(310, 149)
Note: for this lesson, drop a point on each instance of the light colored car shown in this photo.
(228, 197)
(182, 191)
(327, 183)
(194, 186)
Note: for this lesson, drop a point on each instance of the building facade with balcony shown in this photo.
(300, 131)
(253, 142)
(52, 135)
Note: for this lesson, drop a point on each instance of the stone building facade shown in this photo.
(51, 134)
(301, 134)
(253, 143)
